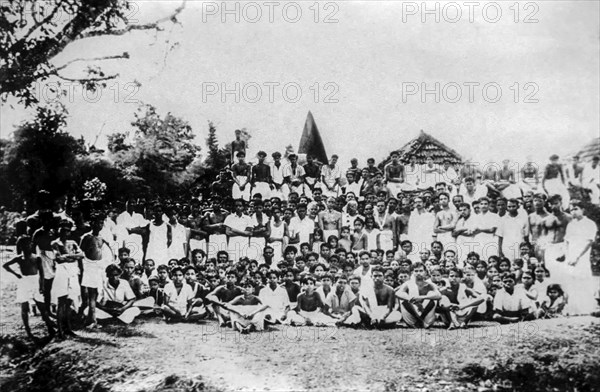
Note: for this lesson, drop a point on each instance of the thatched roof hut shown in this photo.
(589, 150)
(425, 146)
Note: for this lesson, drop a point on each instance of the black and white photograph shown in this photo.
(294, 196)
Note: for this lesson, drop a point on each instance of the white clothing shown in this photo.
(66, 282)
(93, 273)
(372, 239)
(449, 176)
(197, 244)
(590, 178)
(179, 301)
(216, 243)
(28, 289)
(412, 176)
(237, 246)
(179, 234)
(513, 232)
(304, 227)
(237, 193)
(554, 186)
(348, 220)
(48, 266)
(263, 188)
(277, 175)
(420, 229)
(579, 282)
(354, 188)
(108, 233)
(480, 191)
(465, 244)
(518, 301)
(386, 240)
(486, 243)
(131, 241)
(277, 300)
(428, 178)
(157, 243)
(277, 232)
(121, 294)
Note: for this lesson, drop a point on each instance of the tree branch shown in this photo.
(43, 21)
(30, 59)
(148, 26)
(124, 55)
(87, 80)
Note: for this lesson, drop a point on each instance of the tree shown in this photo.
(161, 152)
(42, 155)
(217, 157)
(117, 142)
(33, 33)
(99, 166)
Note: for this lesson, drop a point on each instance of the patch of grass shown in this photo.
(13, 347)
(125, 331)
(544, 365)
(63, 370)
(174, 383)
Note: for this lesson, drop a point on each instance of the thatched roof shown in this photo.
(425, 146)
(589, 150)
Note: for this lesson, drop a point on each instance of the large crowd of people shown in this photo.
(280, 242)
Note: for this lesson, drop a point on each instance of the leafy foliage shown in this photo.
(42, 155)
(33, 33)
(218, 157)
(161, 151)
(117, 142)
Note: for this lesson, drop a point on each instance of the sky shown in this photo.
(361, 74)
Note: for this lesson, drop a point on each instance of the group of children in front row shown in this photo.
(363, 290)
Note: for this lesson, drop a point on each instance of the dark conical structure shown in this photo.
(311, 142)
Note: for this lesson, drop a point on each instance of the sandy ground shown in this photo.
(152, 355)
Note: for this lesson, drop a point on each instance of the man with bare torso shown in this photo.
(93, 266)
(42, 245)
(506, 182)
(419, 299)
(379, 302)
(556, 225)
(330, 220)
(529, 176)
(537, 226)
(395, 175)
(238, 145)
(387, 226)
(213, 224)
(445, 221)
(553, 181)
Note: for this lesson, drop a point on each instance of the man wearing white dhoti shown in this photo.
(553, 181)
(213, 224)
(590, 179)
(420, 225)
(261, 177)
(512, 231)
(241, 177)
(293, 175)
(238, 227)
(580, 285)
(445, 221)
(556, 226)
(395, 176)
(129, 219)
(330, 178)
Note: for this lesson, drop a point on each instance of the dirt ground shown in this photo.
(150, 355)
